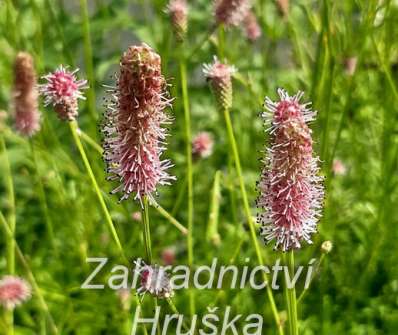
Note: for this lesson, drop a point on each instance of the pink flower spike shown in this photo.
(291, 190)
(25, 96)
(178, 12)
(202, 145)
(251, 26)
(231, 12)
(13, 291)
(63, 90)
(134, 138)
(219, 76)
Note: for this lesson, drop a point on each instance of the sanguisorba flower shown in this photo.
(291, 190)
(231, 12)
(178, 12)
(134, 138)
(202, 145)
(219, 76)
(13, 291)
(154, 280)
(25, 95)
(251, 26)
(62, 90)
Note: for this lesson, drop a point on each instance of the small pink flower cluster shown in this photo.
(63, 90)
(13, 291)
(231, 12)
(291, 190)
(178, 12)
(202, 145)
(219, 76)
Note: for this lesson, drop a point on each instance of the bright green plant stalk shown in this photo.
(303, 294)
(188, 139)
(290, 294)
(32, 280)
(171, 219)
(235, 153)
(74, 129)
(146, 230)
(12, 222)
(88, 58)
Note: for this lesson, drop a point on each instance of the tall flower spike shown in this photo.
(25, 95)
(231, 12)
(178, 12)
(63, 90)
(219, 76)
(13, 291)
(134, 138)
(291, 190)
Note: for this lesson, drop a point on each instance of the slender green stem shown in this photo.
(249, 217)
(88, 58)
(32, 280)
(74, 129)
(175, 311)
(86, 138)
(146, 230)
(171, 219)
(9, 184)
(303, 294)
(187, 119)
(290, 293)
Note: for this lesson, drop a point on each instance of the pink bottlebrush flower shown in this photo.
(291, 191)
(134, 136)
(13, 291)
(219, 76)
(137, 216)
(168, 256)
(25, 95)
(63, 90)
(350, 65)
(339, 169)
(154, 280)
(231, 12)
(202, 145)
(283, 6)
(251, 26)
(178, 11)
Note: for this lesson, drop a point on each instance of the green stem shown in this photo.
(249, 217)
(12, 222)
(88, 58)
(74, 129)
(29, 272)
(171, 219)
(86, 138)
(290, 294)
(303, 294)
(187, 119)
(146, 230)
